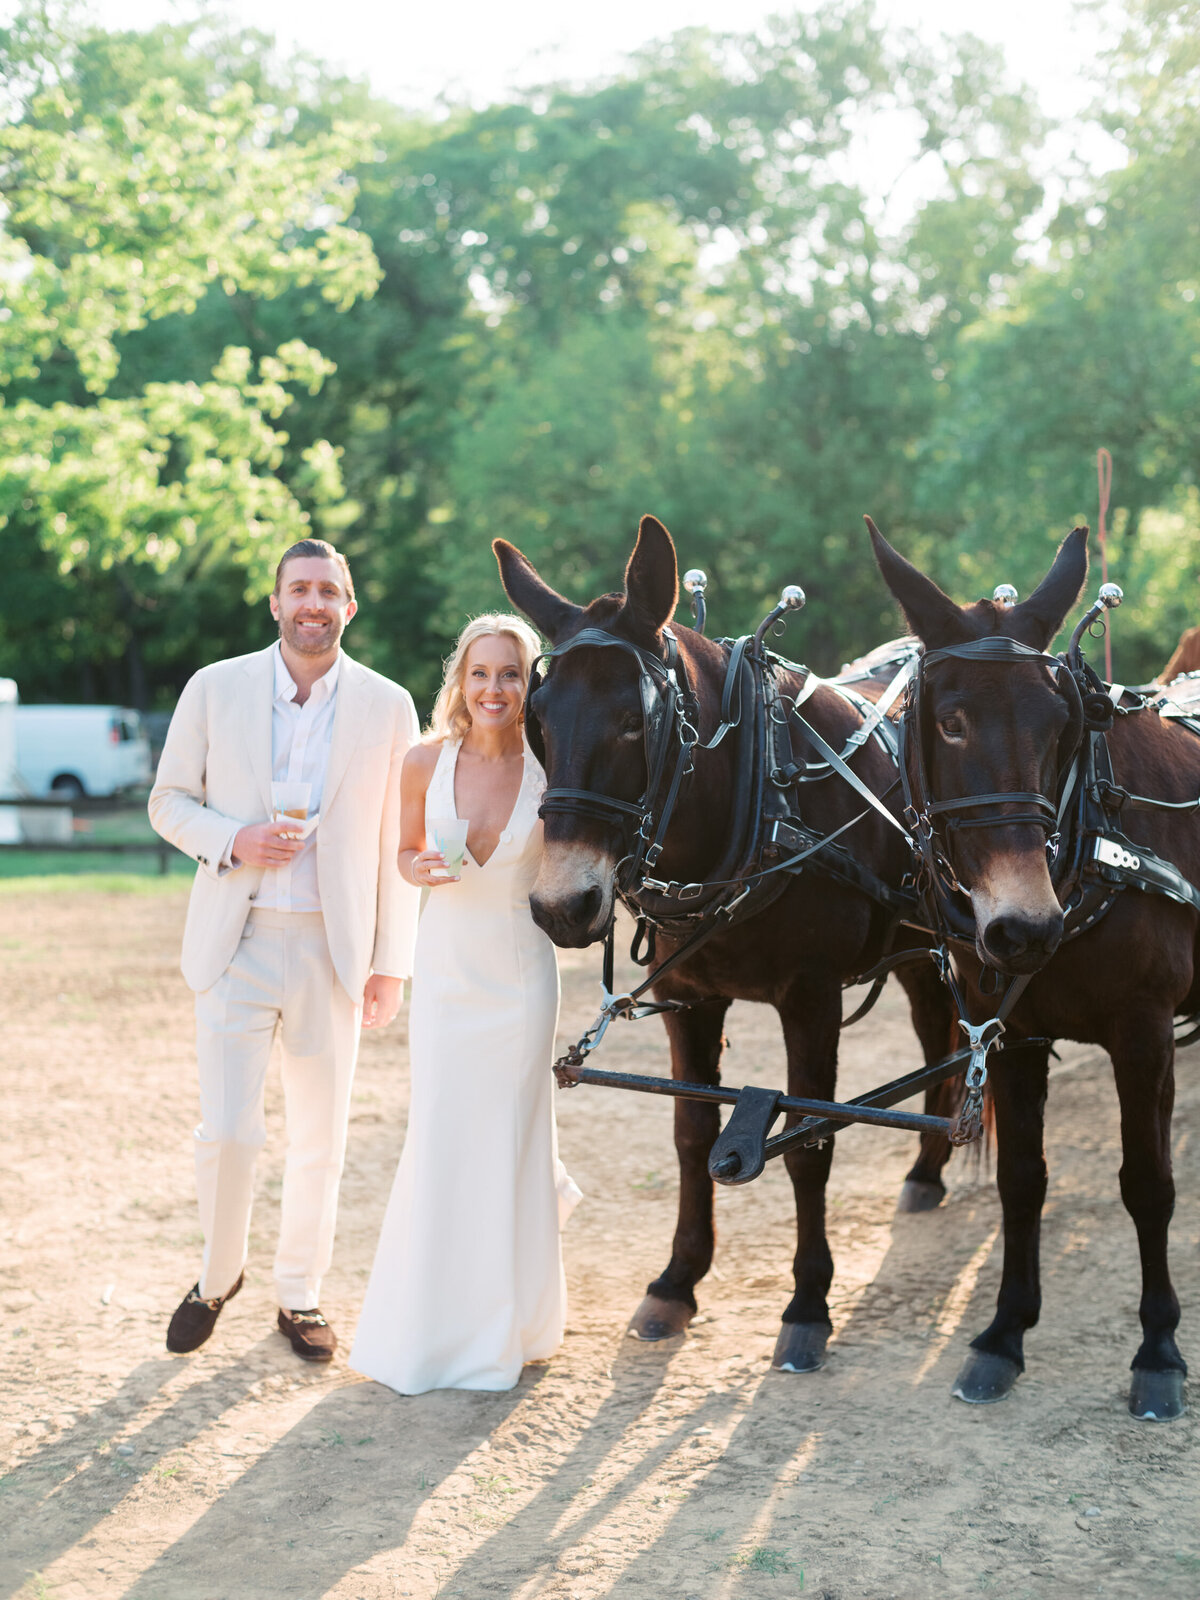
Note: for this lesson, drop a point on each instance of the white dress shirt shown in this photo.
(300, 739)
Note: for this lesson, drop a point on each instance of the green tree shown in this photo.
(1098, 346)
(120, 210)
(664, 292)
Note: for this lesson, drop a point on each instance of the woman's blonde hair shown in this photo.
(451, 719)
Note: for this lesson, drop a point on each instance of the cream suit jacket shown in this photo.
(215, 777)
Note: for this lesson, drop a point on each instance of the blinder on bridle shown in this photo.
(932, 821)
(667, 722)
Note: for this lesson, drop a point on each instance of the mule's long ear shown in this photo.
(652, 577)
(1040, 617)
(531, 594)
(931, 614)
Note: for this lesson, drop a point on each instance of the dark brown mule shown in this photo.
(992, 728)
(795, 954)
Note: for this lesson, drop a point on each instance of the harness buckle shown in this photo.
(673, 890)
(1110, 795)
(917, 822)
(1110, 854)
(652, 854)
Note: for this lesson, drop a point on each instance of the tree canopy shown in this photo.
(244, 300)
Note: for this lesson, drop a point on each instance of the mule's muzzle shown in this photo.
(1016, 943)
(572, 922)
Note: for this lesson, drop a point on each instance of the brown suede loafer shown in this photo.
(195, 1319)
(311, 1336)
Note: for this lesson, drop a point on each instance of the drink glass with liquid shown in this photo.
(290, 800)
(450, 838)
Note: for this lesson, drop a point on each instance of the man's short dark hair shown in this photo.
(324, 551)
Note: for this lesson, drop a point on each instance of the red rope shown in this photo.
(1104, 483)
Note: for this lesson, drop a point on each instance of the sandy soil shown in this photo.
(681, 1470)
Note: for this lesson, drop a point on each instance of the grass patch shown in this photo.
(762, 1559)
(492, 1483)
(122, 825)
(103, 874)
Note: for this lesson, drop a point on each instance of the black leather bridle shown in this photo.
(669, 715)
(932, 821)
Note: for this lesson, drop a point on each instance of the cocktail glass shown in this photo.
(290, 800)
(450, 837)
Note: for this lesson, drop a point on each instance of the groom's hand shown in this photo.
(266, 844)
(381, 1000)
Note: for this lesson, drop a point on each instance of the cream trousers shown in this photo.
(280, 977)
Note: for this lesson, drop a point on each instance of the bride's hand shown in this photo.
(422, 869)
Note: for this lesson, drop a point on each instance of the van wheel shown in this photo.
(68, 787)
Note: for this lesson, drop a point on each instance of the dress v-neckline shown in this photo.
(500, 839)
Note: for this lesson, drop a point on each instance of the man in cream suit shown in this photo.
(311, 935)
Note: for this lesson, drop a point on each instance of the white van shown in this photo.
(71, 751)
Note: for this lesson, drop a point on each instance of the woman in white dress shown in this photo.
(468, 1280)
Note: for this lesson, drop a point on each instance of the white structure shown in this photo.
(10, 821)
(71, 751)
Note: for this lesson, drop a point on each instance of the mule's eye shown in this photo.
(630, 726)
(952, 727)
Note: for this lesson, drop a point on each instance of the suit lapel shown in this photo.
(256, 719)
(349, 720)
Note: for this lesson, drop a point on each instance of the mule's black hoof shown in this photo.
(985, 1378)
(658, 1319)
(918, 1196)
(1156, 1396)
(800, 1347)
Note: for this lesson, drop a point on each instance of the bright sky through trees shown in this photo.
(478, 49)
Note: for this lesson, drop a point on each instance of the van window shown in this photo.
(123, 729)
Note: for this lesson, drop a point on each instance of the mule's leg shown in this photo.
(997, 1359)
(697, 1038)
(1143, 1056)
(936, 1027)
(811, 1013)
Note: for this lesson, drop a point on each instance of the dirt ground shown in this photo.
(687, 1470)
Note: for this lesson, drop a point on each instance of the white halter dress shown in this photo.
(468, 1280)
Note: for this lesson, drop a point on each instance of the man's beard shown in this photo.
(306, 643)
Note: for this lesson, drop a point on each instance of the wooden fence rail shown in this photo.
(155, 845)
